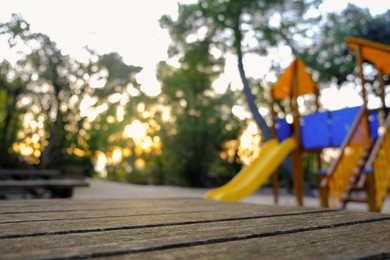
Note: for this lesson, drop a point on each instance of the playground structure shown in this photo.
(361, 136)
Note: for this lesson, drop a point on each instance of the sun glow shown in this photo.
(250, 143)
(116, 156)
(100, 164)
(136, 130)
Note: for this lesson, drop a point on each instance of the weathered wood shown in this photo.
(38, 183)
(106, 242)
(369, 240)
(57, 183)
(75, 224)
(182, 228)
(371, 194)
(323, 191)
(297, 153)
(99, 209)
(177, 204)
(29, 173)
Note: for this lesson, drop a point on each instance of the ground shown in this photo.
(101, 189)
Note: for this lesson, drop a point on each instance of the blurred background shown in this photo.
(148, 92)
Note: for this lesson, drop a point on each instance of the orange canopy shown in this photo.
(376, 53)
(283, 88)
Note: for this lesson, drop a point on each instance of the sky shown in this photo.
(128, 27)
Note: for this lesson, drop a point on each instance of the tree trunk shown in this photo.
(56, 135)
(266, 131)
(252, 103)
(247, 90)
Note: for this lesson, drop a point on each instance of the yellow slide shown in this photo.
(249, 179)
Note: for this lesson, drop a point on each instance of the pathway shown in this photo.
(101, 189)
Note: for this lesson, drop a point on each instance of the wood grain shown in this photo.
(362, 241)
(58, 183)
(183, 228)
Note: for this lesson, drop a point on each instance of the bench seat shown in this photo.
(55, 183)
(29, 173)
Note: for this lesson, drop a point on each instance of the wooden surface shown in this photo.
(25, 183)
(60, 183)
(28, 173)
(186, 228)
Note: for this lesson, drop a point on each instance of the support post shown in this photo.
(324, 191)
(382, 91)
(371, 193)
(321, 173)
(297, 153)
(275, 175)
(359, 61)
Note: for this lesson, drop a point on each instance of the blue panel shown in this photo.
(341, 121)
(283, 129)
(373, 120)
(315, 131)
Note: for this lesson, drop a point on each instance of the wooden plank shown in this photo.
(57, 183)
(29, 173)
(55, 204)
(362, 241)
(182, 234)
(126, 212)
(65, 213)
(143, 205)
(62, 209)
(120, 213)
(117, 222)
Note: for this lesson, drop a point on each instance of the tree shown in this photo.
(13, 83)
(58, 98)
(229, 25)
(43, 81)
(329, 56)
(10, 90)
(116, 105)
(201, 122)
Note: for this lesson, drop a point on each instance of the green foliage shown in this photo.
(310, 168)
(138, 177)
(60, 94)
(329, 56)
(270, 22)
(117, 76)
(118, 174)
(241, 27)
(17, 29)
(78, 103)
(231, 26)
(201, 121)
(119, 73)
(11, 88)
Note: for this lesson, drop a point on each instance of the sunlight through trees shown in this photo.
(196, 128)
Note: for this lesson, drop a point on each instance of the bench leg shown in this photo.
(62, 193)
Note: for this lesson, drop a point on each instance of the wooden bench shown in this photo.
(29, 173)
(37, 183)
(186, 229)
